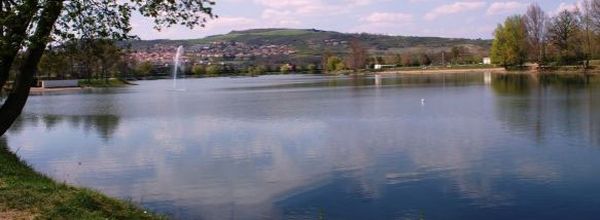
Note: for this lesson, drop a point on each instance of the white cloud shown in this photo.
(300, 7)
(230, 23)
(505, 7)
(454, 8)
(564, 6)
(386, 23)
(360, 2)
(279, 17)
(143, 28)
(385, 17)
(303, 8)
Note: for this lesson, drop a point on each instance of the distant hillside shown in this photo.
(314, 42)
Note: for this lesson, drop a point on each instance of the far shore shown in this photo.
(442, 71)
(40, 90)
(484, 70)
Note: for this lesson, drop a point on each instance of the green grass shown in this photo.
(26, 194)
(101, 83)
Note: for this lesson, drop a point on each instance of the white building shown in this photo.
(60, 83)
(381, 66)
(487, 60)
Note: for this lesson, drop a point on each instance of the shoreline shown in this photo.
(40, 90)
(443, 71)
(480, 70)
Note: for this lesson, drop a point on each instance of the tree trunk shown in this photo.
(13, 106)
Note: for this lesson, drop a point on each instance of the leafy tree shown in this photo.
(106, 57)
(325, 60)
(143, 69)
(31, 24)
(213, 70)
(563, 33)
(53, 64)
(312, 68)
(333, 62)
(257, 70)
(456, 54)
(285, 68)
(509, 47)
(198, 70)
(340, 66)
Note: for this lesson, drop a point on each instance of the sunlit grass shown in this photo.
(26, 194)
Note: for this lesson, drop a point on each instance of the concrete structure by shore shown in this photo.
(60, 83)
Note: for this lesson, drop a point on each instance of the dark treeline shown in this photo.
(84, 59)
(567, 38)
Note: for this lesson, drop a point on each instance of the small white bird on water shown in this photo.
(422, 101)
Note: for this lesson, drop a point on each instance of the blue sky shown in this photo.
(444, 18)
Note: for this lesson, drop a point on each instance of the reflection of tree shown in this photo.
(564, 81)
(533, 104)
(51, 120)
(594, 111)
(104, 125)
(513, 104)
(511, 84)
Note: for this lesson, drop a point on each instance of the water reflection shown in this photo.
(104, 125)
(534, 104)
(339, 147)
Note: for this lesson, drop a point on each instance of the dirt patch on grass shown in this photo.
(16, 215)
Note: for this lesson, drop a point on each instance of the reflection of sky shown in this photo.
(303, 145)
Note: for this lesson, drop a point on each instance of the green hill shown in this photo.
(312, 41)
(308, 46)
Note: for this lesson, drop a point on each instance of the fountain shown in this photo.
(177, 67)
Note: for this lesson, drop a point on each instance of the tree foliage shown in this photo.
(563, 33)
(509, 47)
(334, 63)
(143, 69)
(285, 68)
(213, 70)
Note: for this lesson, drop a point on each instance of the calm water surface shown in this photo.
(480, 146)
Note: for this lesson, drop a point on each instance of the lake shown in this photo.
(446, 146)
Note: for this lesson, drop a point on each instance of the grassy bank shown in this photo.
(102, 83)
(26, 194)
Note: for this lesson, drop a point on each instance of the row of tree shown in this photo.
(83, 59)
(457, 55)
(566, 38)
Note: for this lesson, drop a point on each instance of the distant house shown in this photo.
(381, 66)
(487, 60)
